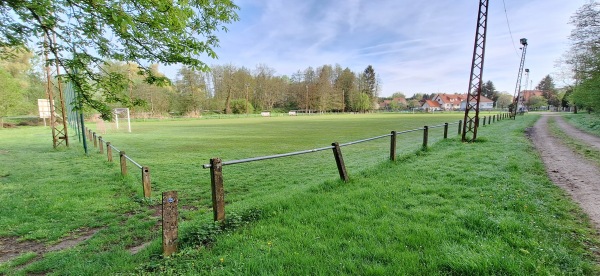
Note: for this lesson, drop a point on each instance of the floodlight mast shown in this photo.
(471, 119)
(518, 97)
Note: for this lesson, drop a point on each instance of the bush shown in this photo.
(239, 106)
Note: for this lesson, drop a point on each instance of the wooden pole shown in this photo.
(489, 120)
(109, 152)
(123, 163)
(169, 222)
(425, 136)
(101, 144)
(459, 126)
(95, 138)
(218, 193)
(339, 160)
(146, 182)
(445, 130)
(393, 146)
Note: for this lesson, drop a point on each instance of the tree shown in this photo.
(238, 106)
(413, 103)
(10, 93)
(549, 91)
(504, 100)
(584, 56)
(191, 90)
(398, 95)
(370, 83)
(488, 90)
(18, 65)
(535, 102)
(81, 36)
(346, 83)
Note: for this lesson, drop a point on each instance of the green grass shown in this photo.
(586, 122)
(482, 208)
(578, 146)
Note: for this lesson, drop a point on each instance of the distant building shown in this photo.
(484, 104)
(430, 105)
(449, 101)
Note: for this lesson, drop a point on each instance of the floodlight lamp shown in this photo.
(526, 70)
(523, 41)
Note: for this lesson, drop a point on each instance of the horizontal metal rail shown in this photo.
(408, 131)
(135, 163)
(206, 166)
(113, 147)
(436, 126)
(365, 140)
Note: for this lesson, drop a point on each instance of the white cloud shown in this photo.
(414, 46)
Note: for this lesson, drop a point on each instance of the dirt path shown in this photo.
(579, 177)
(593, 141)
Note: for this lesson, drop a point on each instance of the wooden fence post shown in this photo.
(445, 130)
(146, 182)
(494, 119)
(218, 193)
(109, 151)
(95, 139)
(123, 163)
(101, 144)
(169, 222)
(489, 120)
(393, 146)
(425, 136)
(484, 120)
(339, 160)
(459, 126)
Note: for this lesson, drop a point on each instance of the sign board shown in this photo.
(44, 108)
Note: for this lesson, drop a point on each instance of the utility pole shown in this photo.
(247, 99)
(306, 101)
(471, 121)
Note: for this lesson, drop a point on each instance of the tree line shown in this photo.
(227, 89)
(583, 58)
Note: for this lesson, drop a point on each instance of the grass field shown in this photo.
(482, 208)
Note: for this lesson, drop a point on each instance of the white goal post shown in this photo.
(118, 111)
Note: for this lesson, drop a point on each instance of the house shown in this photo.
(449, 101)
(484, 103)
(526, 94)
(430, 105)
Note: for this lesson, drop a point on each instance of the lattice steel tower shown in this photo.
(471, 121)
(518, 98)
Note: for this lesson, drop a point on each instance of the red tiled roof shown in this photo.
(431, 103)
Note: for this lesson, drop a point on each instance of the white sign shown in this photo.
(44, 108)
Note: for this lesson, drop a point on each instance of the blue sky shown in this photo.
(414, 46)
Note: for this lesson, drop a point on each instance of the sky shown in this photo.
(414, 46)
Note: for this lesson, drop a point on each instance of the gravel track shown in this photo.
(567, 169)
